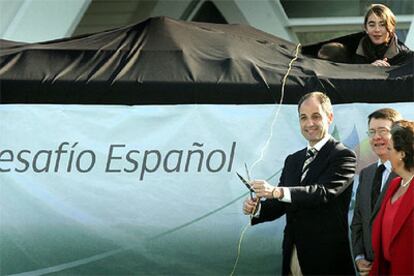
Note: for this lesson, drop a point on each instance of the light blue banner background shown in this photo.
(169, 219)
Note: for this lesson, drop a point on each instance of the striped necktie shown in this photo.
(310, 156)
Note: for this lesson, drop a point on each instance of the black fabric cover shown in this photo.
(351, 42)
(166, 61)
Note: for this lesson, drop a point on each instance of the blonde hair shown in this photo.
(384, 13)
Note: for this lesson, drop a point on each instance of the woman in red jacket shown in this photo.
(393, 227)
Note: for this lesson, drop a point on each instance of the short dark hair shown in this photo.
(386, 114)
(334, 51)
(403, 138)
(322, 98)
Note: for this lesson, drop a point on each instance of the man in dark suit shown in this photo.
(314, 192)
(373, 182)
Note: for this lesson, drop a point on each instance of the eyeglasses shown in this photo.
(382, 131)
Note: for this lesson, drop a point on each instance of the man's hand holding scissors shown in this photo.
(250, 206)
(258, 189)
(262, 189)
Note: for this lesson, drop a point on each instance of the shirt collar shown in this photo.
(387, 164)
(321, 143)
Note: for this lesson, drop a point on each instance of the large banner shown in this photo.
(148, 190)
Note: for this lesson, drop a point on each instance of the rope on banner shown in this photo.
(276, 115)
(238, 248)
(264, 148)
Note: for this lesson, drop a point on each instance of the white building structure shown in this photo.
(304, 21)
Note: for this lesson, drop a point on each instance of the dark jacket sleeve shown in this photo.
(336, 177)
(403, 57)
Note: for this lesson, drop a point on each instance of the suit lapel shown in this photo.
(317, 165)
(369, 181)
(300, 160)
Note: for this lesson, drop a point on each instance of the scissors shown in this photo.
(245, 181)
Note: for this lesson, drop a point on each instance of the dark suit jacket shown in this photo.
(402, 237)
(361, 221)
(317, 217)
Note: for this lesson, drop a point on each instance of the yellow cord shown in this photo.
(265, 146)
(282, 95)
(288, 71)
(238, 249)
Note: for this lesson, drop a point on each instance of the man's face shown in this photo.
(379, 137)
(314, 122)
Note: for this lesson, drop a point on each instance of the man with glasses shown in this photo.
(373, 182)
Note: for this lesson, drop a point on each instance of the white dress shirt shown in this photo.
(286, 191)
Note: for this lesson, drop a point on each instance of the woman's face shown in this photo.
(376, 30)
(395, 157)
